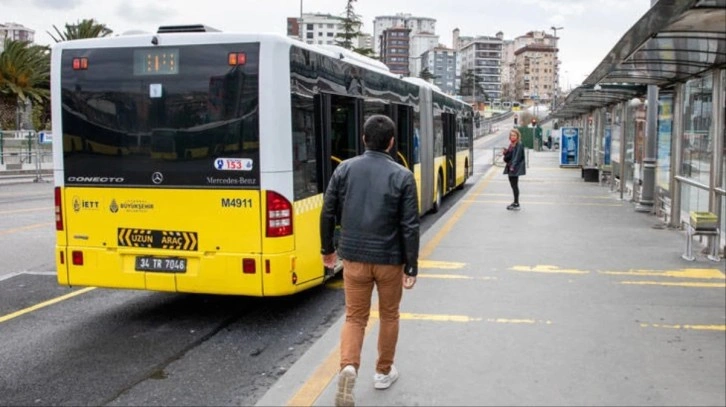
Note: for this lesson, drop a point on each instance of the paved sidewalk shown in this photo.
(576, 299)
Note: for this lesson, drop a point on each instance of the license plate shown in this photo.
(162, 264)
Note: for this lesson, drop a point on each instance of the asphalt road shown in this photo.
(92, 346)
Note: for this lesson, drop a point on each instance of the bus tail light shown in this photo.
(236, 58)
(279, 215)
(77, 256)
(248, 266)
(80, 64)
(58, 209)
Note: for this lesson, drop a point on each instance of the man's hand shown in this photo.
(329, 260)
(408, 281)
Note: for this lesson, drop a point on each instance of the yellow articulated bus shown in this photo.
(242, 133)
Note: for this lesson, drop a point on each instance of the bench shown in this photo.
(690, 232)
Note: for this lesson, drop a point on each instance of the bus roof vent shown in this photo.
(192, 28)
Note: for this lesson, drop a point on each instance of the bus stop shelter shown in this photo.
(678, 47)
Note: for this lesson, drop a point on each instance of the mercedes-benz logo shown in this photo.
(157, 178)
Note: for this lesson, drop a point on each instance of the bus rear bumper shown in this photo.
(227, 274)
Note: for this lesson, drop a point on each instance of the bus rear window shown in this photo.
(191, 121)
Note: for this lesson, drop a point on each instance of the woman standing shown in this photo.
(515, 166)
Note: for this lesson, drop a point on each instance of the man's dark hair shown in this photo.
(378, 132)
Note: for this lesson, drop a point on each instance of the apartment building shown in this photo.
(17, 32)
(395, 48)
(509, 71)
(536, 68)
(415, 25)
(420, 43)
(535, 79)
(442, 63)
(315, 28)
(482, 56)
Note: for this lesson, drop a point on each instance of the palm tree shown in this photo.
(24, 77)
(86, 28)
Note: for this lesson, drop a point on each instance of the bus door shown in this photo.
(449, 121)
(403, 148)
(338, 127)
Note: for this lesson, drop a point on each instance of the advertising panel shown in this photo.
(606, 144)
(570, 146)
(665, 129)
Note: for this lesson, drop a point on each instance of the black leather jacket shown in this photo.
(376, 201)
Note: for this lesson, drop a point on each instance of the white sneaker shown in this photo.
(346, 383)
(384, 381)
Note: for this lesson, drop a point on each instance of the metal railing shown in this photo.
(19, 147)
(23, 156)
(15, 165)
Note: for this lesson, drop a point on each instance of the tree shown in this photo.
(351, 31)
(467, 85)
(24, 77)
(426, 75)
(86, 28)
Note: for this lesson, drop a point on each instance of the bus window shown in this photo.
(305, 180)
(345, 135)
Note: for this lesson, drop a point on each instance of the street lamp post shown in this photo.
(556, 70)
(300, 22)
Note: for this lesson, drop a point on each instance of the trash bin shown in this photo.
(591, 174)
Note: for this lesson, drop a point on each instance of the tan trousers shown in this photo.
(359, 279)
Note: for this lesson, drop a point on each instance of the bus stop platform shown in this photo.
(576, 299)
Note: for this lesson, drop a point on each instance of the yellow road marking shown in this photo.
(516, 321)
(548, 269)
(464, 318)
(549, 181)
(321, 377)
(44, 208)
(603, 197)
(432, 264)
(685, 273)
(693, 327)
(35, 307)
(672, 284)
(24, 228)
(436, 317)
(558, 203)
(453, 277)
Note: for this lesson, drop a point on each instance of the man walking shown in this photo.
(376, 202)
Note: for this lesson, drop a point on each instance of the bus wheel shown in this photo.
(466, 176)
(439, 195)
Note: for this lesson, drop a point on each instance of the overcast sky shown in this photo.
(591, 27)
